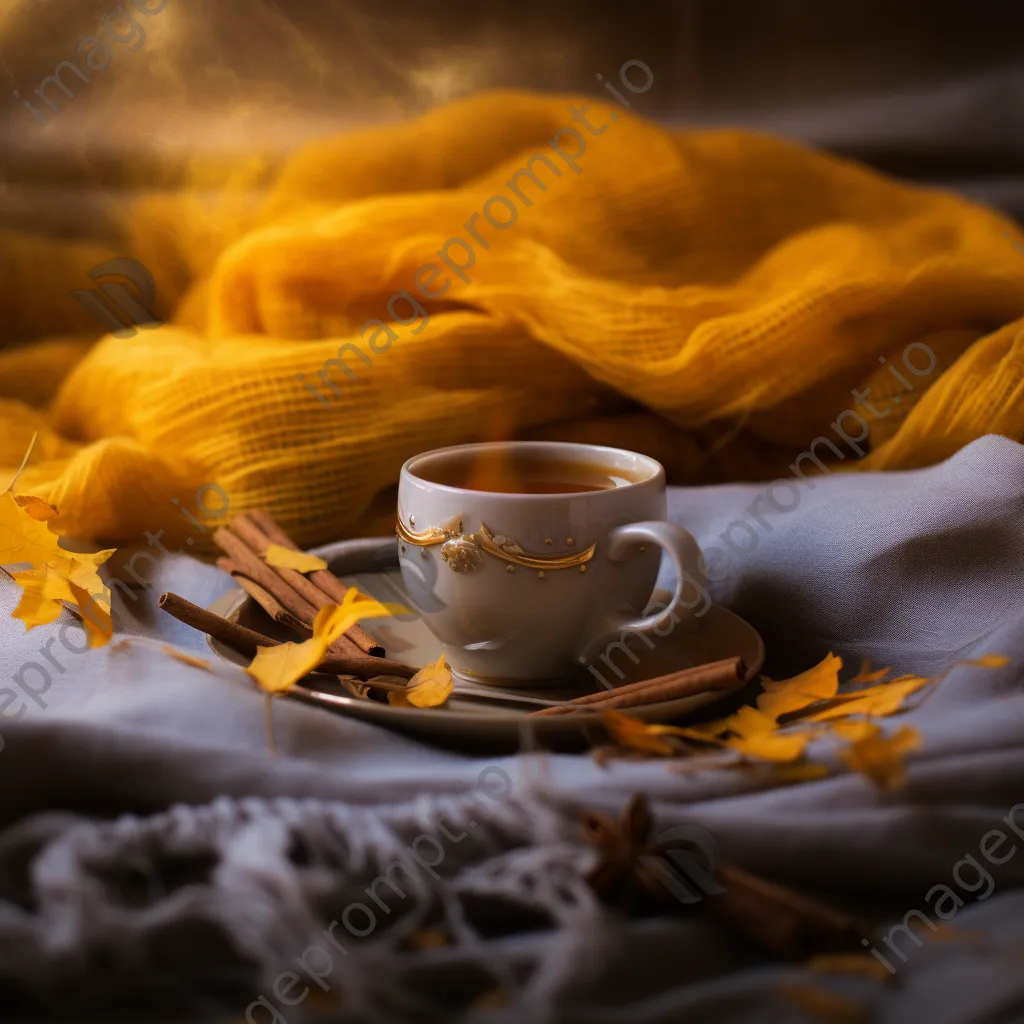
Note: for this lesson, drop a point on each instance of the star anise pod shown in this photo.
(630, 866)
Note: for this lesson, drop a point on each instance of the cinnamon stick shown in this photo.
(266, 601)
(357, 663)
(252, 566)
(259, 530)
(241, 638)
(787, 922)
(717, 675)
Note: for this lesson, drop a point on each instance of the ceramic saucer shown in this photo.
(466, 719)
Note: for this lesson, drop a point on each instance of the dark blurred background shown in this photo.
(931, 90)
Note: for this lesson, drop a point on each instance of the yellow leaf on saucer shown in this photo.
(285, 558)
(789, 695)
(879, 757)
(430, 687)
(37, 508)
(277, 668)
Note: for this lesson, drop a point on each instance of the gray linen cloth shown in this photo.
(154, 856)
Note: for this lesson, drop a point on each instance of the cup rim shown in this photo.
(656, 476)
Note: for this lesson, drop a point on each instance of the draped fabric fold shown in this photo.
(718, 298)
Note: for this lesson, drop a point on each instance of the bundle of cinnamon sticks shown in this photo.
(287, 596)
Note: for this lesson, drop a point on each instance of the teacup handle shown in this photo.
(685, 553)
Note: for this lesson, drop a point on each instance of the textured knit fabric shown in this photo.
(711, 297)
(154, 854)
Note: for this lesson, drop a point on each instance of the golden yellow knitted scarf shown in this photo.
(719, 299)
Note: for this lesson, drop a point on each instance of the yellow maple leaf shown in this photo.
(275, 669)
(429, 688)
(786, 696)
(879, 757)
(285, 558)
(37, 508)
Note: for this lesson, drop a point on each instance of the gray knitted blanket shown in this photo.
(154, 861)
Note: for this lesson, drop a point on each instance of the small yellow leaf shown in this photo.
(430, 687)
(756, 734)
(398, 699)
(277, 668)
(186, 659)
(818, 683)
(285, 558)
(850, 963)
(880, 758)
(37, 508)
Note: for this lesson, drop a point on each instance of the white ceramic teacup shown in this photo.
(525, 586)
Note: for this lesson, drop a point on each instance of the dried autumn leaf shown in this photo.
(818, 683)
(429, 688)
(186, 659)
(879, 757)
(754, 733)
(37, 508)
(275, 669)
(285, 558)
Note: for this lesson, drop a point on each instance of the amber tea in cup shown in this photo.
(528, 472)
